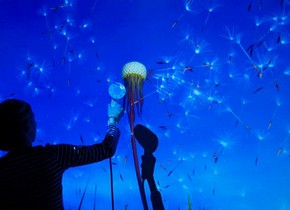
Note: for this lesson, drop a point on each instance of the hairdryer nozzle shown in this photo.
(146, 138)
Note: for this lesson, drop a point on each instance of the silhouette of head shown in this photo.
(146, 138)
(17, 125)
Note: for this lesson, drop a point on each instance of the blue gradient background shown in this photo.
(196, 114)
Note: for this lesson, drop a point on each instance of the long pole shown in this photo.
(112, 187)
(135, 156)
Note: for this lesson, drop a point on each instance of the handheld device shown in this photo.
(117, 91)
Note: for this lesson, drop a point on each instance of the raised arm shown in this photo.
(71, 155)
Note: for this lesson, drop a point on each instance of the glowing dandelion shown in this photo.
(226, 142)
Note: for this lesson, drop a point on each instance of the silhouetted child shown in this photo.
(31, 177)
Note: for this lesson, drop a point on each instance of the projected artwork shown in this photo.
(210, 78)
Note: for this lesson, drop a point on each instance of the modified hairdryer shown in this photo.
(149, 141)
(116, 91)
(146, 138)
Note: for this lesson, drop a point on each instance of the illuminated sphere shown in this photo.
(134, 68)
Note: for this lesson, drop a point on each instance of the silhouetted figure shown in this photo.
(149, 141)
(31, 177)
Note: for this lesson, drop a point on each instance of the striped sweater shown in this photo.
(32, 179)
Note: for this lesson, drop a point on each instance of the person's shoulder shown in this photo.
(38, 148)
(52, 147)
(42, 147)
